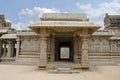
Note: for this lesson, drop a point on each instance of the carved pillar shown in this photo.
(43, 49)
(84, 34)
(84, 62)
(17, 47)
(9, 49)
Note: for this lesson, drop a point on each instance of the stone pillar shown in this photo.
(52, 49)
(4, 50)
(9, 49)
(17, 48)
(75, 50)
(0, 48)
(43, 49)
(12, 49)
(84, 61)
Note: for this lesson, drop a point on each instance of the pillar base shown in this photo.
(41, 67)
(85, 65)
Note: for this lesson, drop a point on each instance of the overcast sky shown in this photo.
(25, 12)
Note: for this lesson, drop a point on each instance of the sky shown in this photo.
(22, 13)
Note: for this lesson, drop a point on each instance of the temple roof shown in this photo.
(112, 20)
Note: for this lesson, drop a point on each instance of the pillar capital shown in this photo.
(44, 36)
(43, 33)
(83, 33)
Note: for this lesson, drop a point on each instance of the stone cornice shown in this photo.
(49, 24)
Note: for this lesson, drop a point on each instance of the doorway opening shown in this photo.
(64, 49)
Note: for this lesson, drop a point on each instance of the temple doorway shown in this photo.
(64, 49)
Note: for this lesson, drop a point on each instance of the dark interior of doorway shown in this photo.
(66, 44)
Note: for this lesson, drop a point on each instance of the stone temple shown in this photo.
(61, 40)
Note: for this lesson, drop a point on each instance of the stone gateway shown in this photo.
(62, 40)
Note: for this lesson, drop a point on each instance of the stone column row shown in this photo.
(7, 51)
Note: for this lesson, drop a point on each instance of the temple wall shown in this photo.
(103, 46)
(30, 44)
(115, 47)
(29, 49)
(97, 46)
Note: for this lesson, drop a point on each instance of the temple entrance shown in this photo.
(64, 49)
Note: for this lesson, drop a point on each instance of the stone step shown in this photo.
(55, 65)
(63, 70)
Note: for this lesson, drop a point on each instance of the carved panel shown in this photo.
(98, 45)
(30, 44)
(115, 46)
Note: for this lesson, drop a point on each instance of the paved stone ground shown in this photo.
(23, 72)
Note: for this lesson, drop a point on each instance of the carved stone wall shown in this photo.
(98, 45)
(115, 47)
(30, 44)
